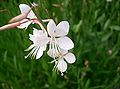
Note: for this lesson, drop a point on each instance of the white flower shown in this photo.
(57, 37)
(63, 57)
(25, 9)
(36, 49)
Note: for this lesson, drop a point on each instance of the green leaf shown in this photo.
(87, 84)
(106, 37)
(115, 27)
(76, 28)
(106, 24)
(101, 18)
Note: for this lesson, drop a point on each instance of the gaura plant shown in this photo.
(53, 36)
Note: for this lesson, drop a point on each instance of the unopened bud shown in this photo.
(8, 26)
(20, 17)
(109, 51)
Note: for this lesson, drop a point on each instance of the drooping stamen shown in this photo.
(35, 53)
(30, 53)
(46, 20)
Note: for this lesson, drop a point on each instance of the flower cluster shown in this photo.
(53, 36)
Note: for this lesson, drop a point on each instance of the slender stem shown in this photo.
(40, 20)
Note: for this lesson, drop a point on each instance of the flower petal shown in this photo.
(49, 52)
(63, 52)
(45, 47)
(53, 53)
(62, 65)
(51, 28)
(39, 40)
(62, 29)
(25, 25)
(25, 8)
(39, 32)
(39, 52)
(35, 31)
(31, 37)
(70, 58)
(65, 43)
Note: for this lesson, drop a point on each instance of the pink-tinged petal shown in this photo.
(24, 25)
(26, 9)
(51, 28)
(62, 29)
(70, 58)
(65, 43)
(39, 52)
(62, 65)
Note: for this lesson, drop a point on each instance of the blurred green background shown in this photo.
(95, 30)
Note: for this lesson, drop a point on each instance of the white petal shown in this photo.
(70, 58)
(65, 43)
(44, 47)
(31, 15)
(39, 32)
(24, 25)
(40, 52)
(49, 52)
(35, 31)
(62, 65)
(63, 52)
(31, 37)
(25, 8)
(62, 29)
(52, 53)
(51, 28)
(40, 40)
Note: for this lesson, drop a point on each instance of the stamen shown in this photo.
(46, 20)
(62, 74)
(30, 53)
(35, 52)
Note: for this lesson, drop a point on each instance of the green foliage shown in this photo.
(95, 30)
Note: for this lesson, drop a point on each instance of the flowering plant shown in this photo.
(53, 36)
